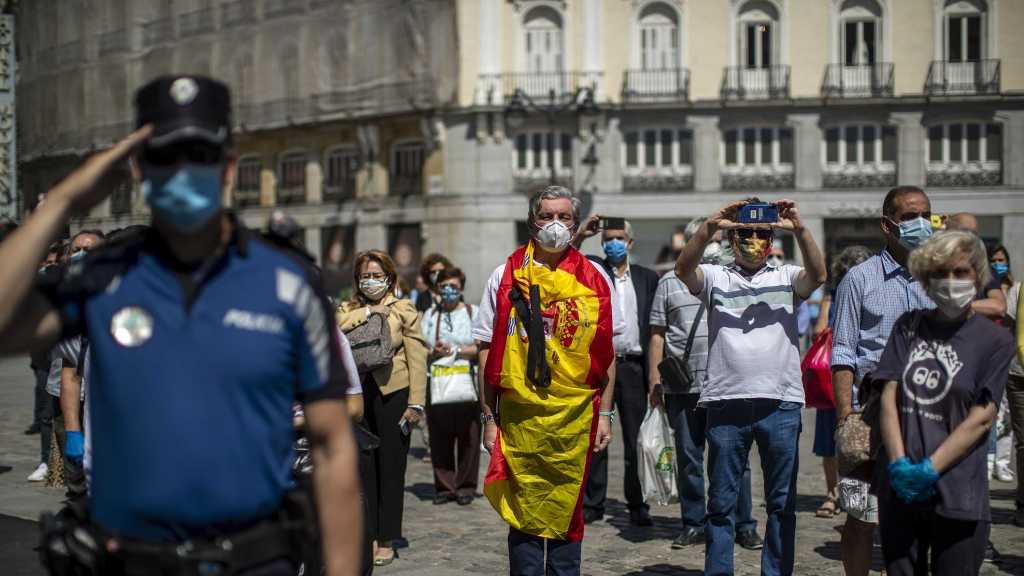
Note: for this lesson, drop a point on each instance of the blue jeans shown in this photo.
(733, 426)
(526, 555)
(688, 428)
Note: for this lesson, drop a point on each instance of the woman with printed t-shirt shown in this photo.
(942, 376)
(393, 396)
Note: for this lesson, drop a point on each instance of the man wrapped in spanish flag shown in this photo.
(545, 330)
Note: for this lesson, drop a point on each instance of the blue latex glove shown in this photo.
(899, 478)
(922, 478)
(913, 482)
(74, 446)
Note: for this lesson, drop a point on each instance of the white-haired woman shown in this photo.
(942, 375)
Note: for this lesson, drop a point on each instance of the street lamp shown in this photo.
(521, 104)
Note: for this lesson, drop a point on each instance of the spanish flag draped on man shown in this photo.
(551, 313)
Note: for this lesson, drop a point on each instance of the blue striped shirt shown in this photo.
(869, 301)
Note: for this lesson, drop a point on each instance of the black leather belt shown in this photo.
(629, 357)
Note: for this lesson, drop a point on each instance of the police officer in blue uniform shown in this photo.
(202, 335)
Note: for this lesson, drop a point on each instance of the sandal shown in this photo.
(385, 560)
(828, 509)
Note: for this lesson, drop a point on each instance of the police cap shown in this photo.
(184, 108)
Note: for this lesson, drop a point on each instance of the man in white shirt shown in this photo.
(753, 391)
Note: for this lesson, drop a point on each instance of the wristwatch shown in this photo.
(485, 418)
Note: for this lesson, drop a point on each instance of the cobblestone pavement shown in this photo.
(452, 539)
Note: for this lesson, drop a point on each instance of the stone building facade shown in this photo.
(418, 126)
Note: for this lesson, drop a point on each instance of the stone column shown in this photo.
(314, 178)
(910, 164)
(592, 41)
(313, 242)
(806, 150)
(372, 179)
(1013, 147)
(707, 170)
(1013, 233)
(488, 83)
(268, 181)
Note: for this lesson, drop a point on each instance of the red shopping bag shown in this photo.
(817, 373)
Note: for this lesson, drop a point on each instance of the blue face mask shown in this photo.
(1001, 269)
(186, 197)
(615, 250)
(450, 294)
(915, 232)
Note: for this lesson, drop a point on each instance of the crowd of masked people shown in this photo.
(920, 334)
(197, 325)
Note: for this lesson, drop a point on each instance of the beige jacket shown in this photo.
(409, 369)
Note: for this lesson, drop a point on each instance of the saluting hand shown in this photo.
(79, 188)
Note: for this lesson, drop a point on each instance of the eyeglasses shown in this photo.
(746, 233)
(183, 152)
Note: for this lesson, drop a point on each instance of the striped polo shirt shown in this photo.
(752, 333)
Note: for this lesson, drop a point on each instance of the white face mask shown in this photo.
(775, 261)
(554, 236)
(952, 296)
(373, 289)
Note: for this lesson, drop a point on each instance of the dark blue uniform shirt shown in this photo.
(193, 378)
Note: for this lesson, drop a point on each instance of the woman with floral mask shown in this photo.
(454, 425)
(942, 374)
(393, 396)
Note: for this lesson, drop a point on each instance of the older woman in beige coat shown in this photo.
(393, 395)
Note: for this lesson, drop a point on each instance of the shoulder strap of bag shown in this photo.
(437, 325)
(693, 332)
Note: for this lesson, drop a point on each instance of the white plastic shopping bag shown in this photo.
(657, 458)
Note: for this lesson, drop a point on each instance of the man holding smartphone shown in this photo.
(753, 390)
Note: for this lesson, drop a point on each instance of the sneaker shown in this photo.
(39, 474)
(749, 540)
(1003, 472)
(688, 537)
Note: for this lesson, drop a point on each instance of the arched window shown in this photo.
(542, 27)
(340, 167)
(247, 184)
(758, 35)
(659, 37)
(964, 23)
(291, 187)
(860, 32)
(965, 51)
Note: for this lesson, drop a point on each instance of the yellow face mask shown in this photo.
(753, 248)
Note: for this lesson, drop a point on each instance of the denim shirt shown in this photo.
(868, 302)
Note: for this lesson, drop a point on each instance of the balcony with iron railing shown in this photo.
(406, 184)
(657, 85)
(959, 78)
(497, 88)
(280, 8)
(291, 194)
(113, 42)
(247, 197)
(340, 191)
(237, 13)
(742, 83)
(197, 22)
(870, 80)
(157, 31)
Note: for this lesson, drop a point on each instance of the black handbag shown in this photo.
(675, 371)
